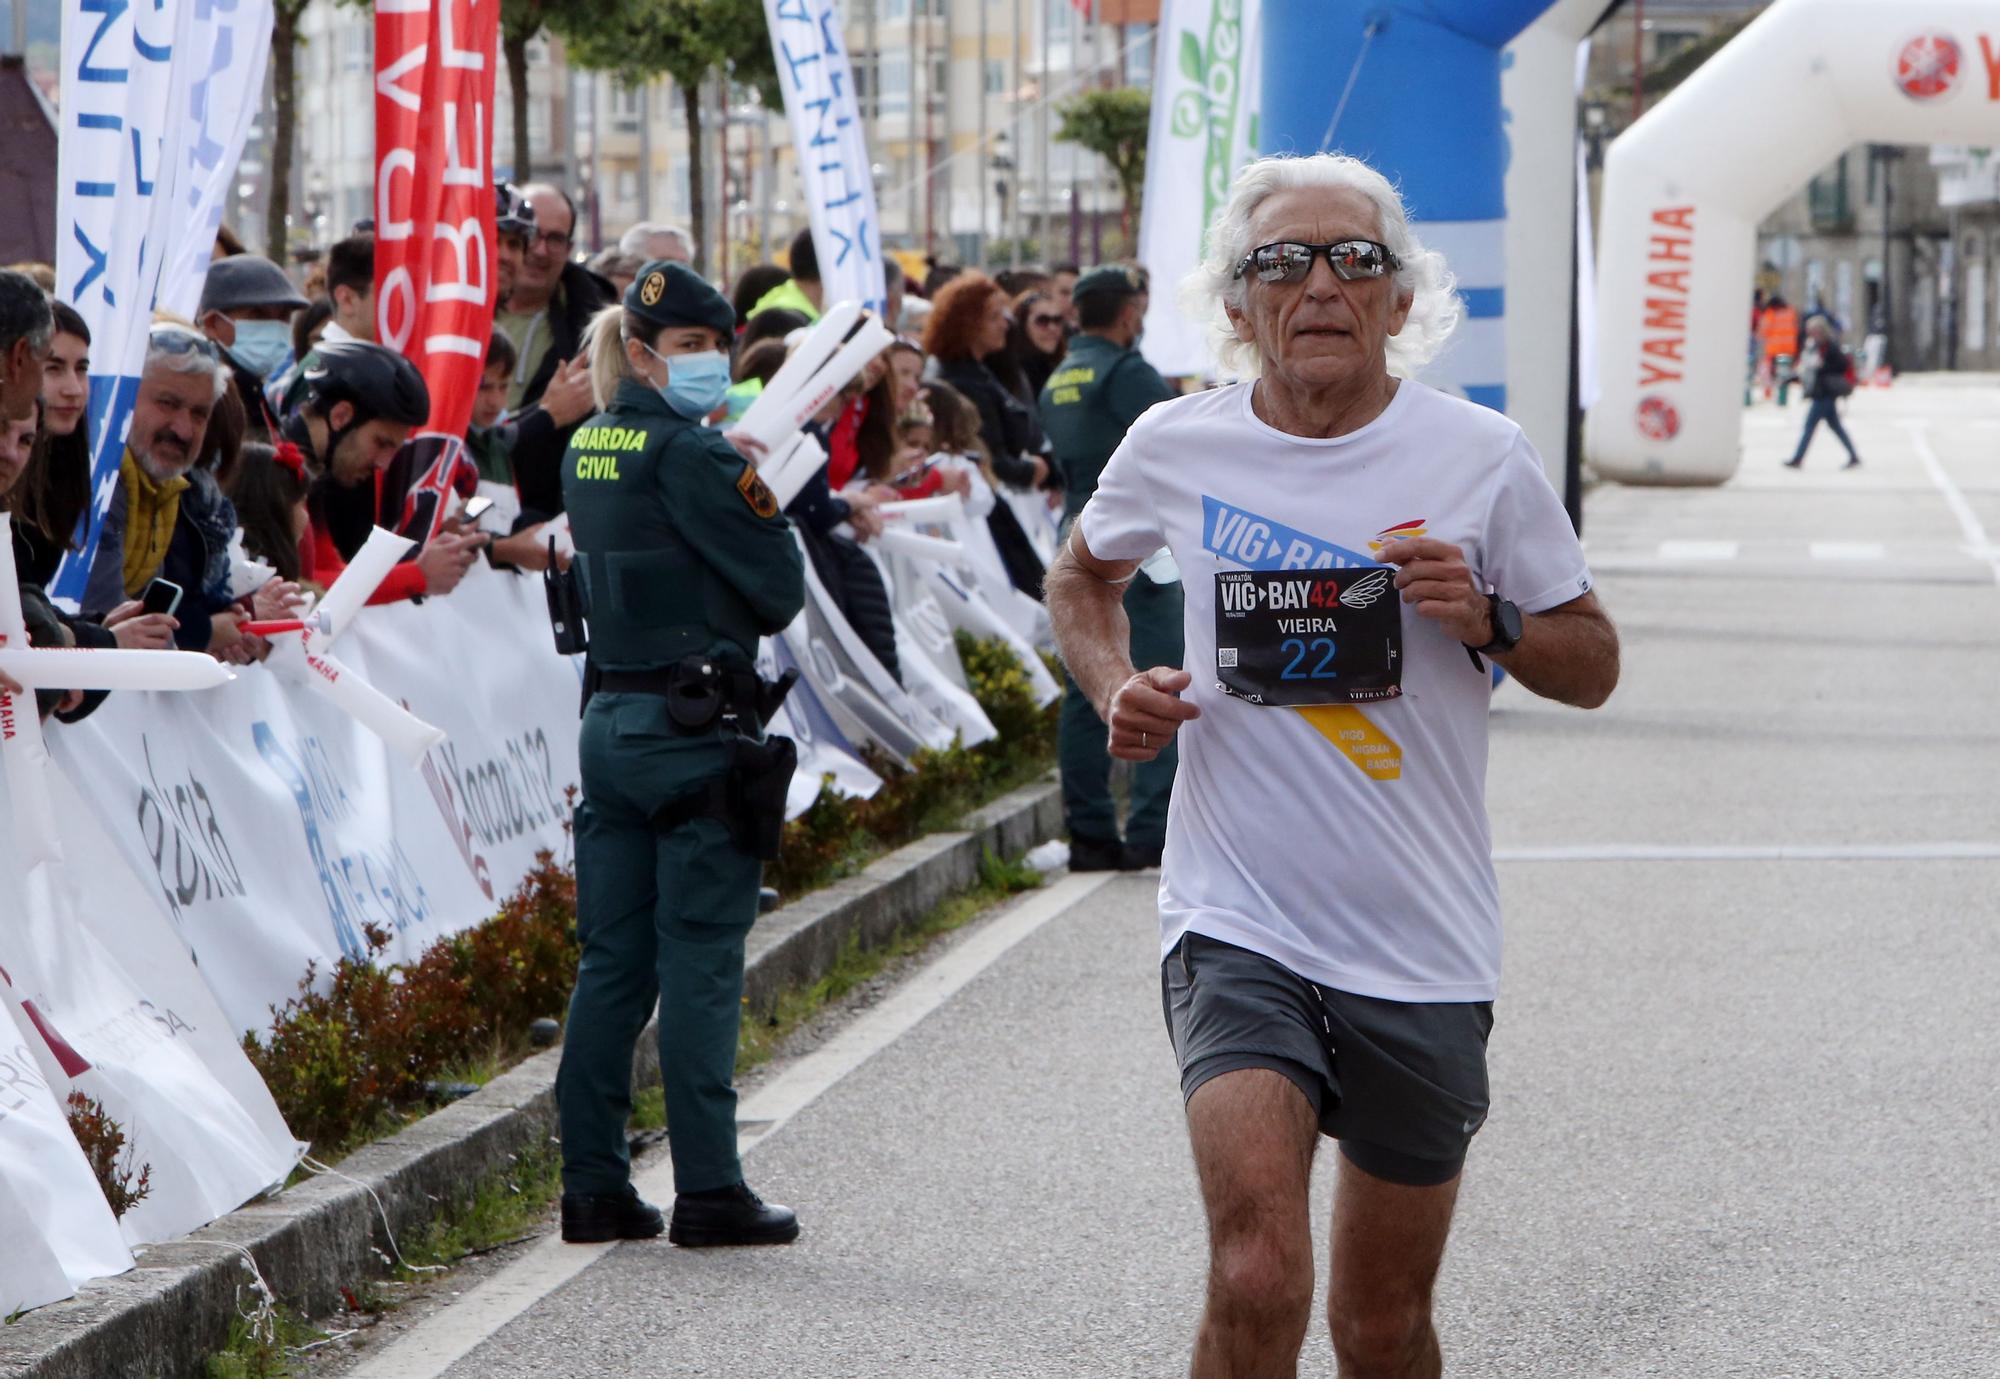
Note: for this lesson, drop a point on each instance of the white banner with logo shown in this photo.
(58, 1230)
(156, 101)
(123, 1017)
(273, 832)
(828, 136)
(1206, 90)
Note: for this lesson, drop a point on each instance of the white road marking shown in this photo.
(443, 1339)
(1977, 542)
(1847, 550)
(1698, 550)
(1752, 852)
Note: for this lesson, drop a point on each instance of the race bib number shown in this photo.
(1291, 638)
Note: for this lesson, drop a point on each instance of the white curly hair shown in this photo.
(1424, 277)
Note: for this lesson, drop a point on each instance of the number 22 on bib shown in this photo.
(1291, 638)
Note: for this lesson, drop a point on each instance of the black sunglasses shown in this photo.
(1045, 320)
(1352, 260)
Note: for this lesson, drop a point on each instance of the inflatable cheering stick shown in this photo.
(308, 658)
(24, 754)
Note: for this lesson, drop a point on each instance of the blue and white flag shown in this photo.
(156, 101)
(827, 136)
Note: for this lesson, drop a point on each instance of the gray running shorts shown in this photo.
(1401, 1084)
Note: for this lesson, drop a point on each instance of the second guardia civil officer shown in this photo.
(686, 562)
(1101, 387)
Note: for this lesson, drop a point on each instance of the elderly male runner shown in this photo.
(1354, 547)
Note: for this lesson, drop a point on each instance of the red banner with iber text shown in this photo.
(434, 283)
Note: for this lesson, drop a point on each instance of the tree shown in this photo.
(1113, 125)
(685, 40)
(521, 22)
(284, 120)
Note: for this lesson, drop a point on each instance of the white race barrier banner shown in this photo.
(829, 137)
(58, 1229)
(156, 101)
(127, 1020)
(274, 831)
(825, 756)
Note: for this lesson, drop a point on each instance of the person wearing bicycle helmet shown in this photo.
(358, 403)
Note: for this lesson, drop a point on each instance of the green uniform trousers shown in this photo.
(1155, 613)
(660, 916)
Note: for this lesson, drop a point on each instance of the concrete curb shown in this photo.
(163, 1319)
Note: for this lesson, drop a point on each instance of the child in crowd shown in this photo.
(269, 491)
(490, 439)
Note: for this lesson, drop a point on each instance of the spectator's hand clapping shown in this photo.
(445, 561)
(861, 515)
(135, 630)
(568, 398)
(748, 446)
(227, 641)
(278, 598)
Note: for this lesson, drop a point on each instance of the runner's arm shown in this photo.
(1568, 653)
(1086, 600)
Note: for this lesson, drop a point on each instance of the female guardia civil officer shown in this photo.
(686, 562)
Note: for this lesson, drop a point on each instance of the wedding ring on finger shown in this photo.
(1143, 742)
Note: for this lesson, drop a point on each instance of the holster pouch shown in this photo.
(566, 605)
(750, 800)
(695, 692)
(759, 782)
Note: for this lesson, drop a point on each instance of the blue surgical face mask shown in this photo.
(261, 346)
(696, 383)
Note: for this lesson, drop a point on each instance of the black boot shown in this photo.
(1138, 857)
(1094, 854)
(731, 1216)
(591, 1220)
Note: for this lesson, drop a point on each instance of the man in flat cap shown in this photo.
(246, 307)
(1088, 404)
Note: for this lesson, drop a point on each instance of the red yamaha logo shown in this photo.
(1928, 66)
(1659, 419)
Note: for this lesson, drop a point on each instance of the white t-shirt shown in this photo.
(1349, 843)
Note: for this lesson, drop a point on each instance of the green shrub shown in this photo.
(102, 1140)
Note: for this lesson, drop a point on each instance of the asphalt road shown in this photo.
(1746, 1072)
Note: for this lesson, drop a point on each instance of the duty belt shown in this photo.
(701, 695)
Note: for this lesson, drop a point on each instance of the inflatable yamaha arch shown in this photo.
(1685, 188)
(1487, 169)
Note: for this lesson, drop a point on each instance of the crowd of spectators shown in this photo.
(268, 434)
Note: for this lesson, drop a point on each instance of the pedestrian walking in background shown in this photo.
(1825, 376)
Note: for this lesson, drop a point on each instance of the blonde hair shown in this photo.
(1424, 277)
(604, 346)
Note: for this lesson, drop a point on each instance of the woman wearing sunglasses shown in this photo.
(1351, 543)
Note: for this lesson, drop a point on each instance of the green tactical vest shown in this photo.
(1088, 405)
(682, 548)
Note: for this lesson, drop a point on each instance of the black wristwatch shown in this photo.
(1506, 626)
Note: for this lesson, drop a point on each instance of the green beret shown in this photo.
(1115, 277)
(672, 294)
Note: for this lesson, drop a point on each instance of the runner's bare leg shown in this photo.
(1388, 1241)
(1254, 1134)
